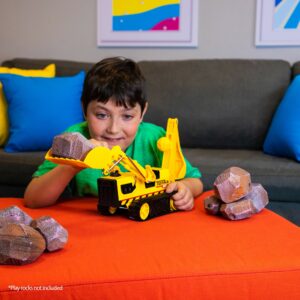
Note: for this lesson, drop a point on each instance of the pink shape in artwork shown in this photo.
(168, 24)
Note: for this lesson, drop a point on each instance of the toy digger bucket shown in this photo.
(97, 158)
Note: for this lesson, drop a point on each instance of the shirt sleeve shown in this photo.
(44, 168)
(191, 172)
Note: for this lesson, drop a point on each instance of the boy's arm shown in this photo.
(186, 190)
(46, 189)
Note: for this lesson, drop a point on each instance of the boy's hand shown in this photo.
(183, 197)
(98, 143)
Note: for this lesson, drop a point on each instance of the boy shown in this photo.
(114, 104)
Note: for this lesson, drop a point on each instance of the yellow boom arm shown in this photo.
(173, 159)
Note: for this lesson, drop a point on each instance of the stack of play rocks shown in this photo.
(235, 196)
(23, 240)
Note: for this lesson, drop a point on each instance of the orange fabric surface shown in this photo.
(184, 255)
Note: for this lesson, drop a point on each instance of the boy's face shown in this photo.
(115, 125)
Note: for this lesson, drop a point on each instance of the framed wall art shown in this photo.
(278, 23)
(147, 23)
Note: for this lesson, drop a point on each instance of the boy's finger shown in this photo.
(98, 143)
(179, 195)
(183, 205)
(172, 187)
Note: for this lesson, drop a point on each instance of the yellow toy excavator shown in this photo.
(141, 190)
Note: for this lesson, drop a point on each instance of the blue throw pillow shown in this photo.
(283, 138)
(40, 108)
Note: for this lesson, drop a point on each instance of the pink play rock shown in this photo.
(212, 205)
(258, 196)
(71, 145)
(13, 214)
(232, 184)
(20, 244)
(238, 210)
(2, 222)
(56, 235)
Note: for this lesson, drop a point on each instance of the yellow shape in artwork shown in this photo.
(129, 7)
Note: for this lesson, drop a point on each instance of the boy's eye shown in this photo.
(101, 116)
(127, 117)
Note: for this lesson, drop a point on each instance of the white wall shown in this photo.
(66, 29)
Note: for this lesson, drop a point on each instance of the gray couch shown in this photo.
(224, 109)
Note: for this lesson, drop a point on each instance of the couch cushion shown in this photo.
(48, 71)
(17, 168)
(283, 138)
(219, 103)
(40, 108)
(16, 171)
(63, 67)
(288, 210)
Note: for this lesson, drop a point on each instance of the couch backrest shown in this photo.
(219, 103)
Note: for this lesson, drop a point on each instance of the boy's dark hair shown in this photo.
(118, 78)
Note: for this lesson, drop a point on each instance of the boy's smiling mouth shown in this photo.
(112, 140)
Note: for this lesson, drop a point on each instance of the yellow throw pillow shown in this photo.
(48, 72)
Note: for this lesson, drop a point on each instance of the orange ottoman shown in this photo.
(184, 255)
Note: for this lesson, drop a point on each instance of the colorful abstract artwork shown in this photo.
(278, 23)
(286, 14)
(144, 15)
(147, 23)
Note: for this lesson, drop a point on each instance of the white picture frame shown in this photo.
(277, 23)
(186, 36)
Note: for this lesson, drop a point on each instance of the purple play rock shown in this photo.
(13, 214)
(55, 234)
(71, 145)
(232, 184)
(238, 210)
(212, 205)
(20, 244)
(258, 196)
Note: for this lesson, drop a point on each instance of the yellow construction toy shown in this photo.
(140, 190)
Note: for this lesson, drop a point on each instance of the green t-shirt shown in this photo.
(143, 149)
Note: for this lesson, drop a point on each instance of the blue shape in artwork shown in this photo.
(294, 19)
(277, 2)
(145, 20)
(282, 12)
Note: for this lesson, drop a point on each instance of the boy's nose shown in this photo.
(113, 126)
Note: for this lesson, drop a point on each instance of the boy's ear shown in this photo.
(144, 111)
